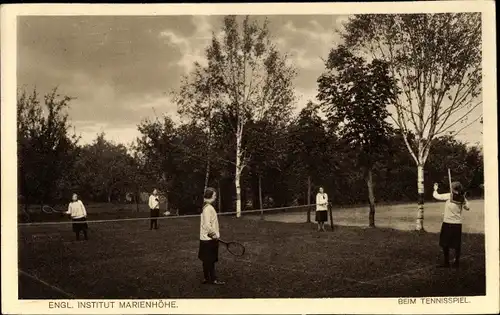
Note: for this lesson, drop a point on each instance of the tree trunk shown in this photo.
(238, 169)
(309, 199)
(166, 201)
(371, 197)
(420, 185)
(207, 175)
(137, 199)
(219, 199)
(260, 198)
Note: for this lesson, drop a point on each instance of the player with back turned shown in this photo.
(451, 229)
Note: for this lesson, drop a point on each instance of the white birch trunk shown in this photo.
(420, 186)
(238, 169)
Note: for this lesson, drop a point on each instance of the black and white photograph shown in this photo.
(159, 161)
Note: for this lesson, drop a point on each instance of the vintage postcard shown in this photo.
(274, 158)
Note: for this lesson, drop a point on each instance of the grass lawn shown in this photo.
(282, 260)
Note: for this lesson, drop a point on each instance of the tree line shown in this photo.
(377, 116)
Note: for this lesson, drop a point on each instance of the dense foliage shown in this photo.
(284, 159)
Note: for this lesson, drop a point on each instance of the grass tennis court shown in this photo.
(282, 260)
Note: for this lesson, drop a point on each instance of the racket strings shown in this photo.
(236, 249)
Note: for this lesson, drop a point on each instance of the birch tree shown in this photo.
(436, 59)
(248, 79)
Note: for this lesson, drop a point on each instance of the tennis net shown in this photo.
(58, 217)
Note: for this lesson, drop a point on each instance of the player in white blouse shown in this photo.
(451, 229)
(78, 214)
(321, 209)
(209, 238)
(154, 206)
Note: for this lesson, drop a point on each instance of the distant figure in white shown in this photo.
(154, 207)
(451, 230)
(78, 214)
(321, 209)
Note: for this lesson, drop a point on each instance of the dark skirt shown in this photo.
(80, 225)
(209, 251)
(451, 235)
(155, 213)
(321, 216)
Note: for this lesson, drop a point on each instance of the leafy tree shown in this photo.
(249, 80)
(105, 169)
(45, 147)
(356, 95)
(158, 145)
(465, 163)
(267, 143)
(436, 59)
(308, 147)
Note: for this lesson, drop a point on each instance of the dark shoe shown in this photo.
(206, 282)
(444, 266)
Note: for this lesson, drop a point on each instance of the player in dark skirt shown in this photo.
(209, 238)
(451, 230)
(78, 214)
(321, 209)
(154, 207)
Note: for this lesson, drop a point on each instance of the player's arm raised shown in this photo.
(438, 196)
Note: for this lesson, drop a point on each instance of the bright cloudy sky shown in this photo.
(120, 68)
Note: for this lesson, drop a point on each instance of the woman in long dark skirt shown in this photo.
(451, 230)
(78, 214)
(209, 238)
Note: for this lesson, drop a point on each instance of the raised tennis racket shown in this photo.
(234, 248)
(49, 209)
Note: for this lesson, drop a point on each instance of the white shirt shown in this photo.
(452, 210)
(77, 210)
(153, 202)
(321, 202)
(209, 223)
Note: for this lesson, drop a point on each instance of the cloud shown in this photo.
(192, 47)
(121, 67)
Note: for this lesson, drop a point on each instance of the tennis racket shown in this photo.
(234, 248)
(49, 210)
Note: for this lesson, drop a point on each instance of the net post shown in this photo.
(330, 210)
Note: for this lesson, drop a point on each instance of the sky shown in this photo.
(121, 69)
